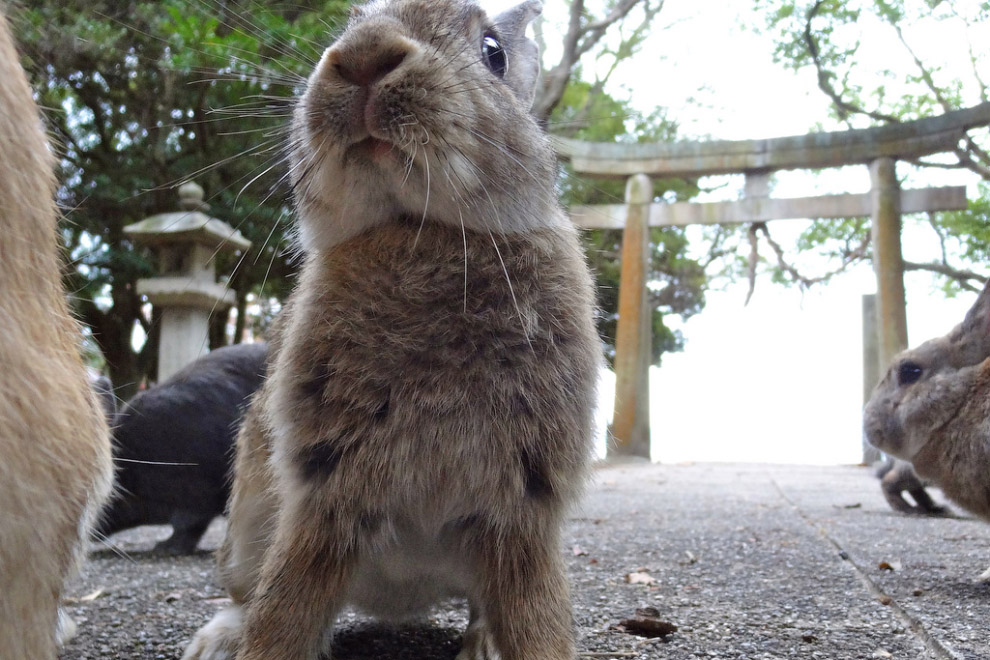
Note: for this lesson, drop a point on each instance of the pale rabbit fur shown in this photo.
(428, 416)
(55, 465)
(932, 408)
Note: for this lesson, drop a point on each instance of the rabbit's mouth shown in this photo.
(372, 149)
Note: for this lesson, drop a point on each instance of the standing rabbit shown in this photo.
(55, 466)
(932, 408)
(427, 420)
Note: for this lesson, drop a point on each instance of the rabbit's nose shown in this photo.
(365, 67)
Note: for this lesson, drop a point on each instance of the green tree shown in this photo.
(833, 39)
(144, 95)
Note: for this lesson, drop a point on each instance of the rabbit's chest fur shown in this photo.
(407, 569)
(430, 377)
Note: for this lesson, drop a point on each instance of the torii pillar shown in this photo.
(888, 262)
(631, 418)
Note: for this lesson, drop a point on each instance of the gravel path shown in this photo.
(749, 562)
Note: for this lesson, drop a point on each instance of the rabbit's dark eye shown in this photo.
(908, 372)
(493, 55)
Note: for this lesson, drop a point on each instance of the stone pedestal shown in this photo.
(185, 244)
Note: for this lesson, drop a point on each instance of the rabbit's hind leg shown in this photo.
(525, 599)
(250, 522)
(304, 582)
(478, 643)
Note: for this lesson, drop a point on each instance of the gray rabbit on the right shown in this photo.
(932, 408)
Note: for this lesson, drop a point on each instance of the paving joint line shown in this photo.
(933, 645)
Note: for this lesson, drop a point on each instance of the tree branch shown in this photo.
(843, 107)
(849, 257)
(973, 63)
(580, 39)
(926, 75)
(754, 258)
(963, 277)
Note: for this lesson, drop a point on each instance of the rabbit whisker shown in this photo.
(244, 24)
(460, 216)
(512, 293)
(501, 147)
(451, 57)
(426, 205)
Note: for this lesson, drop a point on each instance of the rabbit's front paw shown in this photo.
(478, 643)
(218, 639)
(65, 630)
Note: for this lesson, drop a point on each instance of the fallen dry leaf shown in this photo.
(640, 578)
(646, 623)
(87, 598)
(579, 551)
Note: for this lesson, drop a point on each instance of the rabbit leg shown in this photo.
(250, 519)
(65, 630)
(187, 528)
(926, 505)
(303, 584)
(478, 643)
(218, 639)
(526, 601)
(250, 525)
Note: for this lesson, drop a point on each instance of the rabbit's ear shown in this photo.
(523, 68)
(972, 336)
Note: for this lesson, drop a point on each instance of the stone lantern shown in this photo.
(185, 244)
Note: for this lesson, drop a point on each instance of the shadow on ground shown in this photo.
(363, 641)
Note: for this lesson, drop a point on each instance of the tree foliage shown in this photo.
(888, 61)
(144, 95)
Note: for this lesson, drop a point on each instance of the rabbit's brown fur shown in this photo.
(55, 465)
(932, 408)
(428, 416)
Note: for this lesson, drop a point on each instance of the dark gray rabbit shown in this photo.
(427, 421)
(174, 446)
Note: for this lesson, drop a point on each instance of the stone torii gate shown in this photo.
(878, 148)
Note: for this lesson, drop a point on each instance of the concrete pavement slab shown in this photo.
(752, 562)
